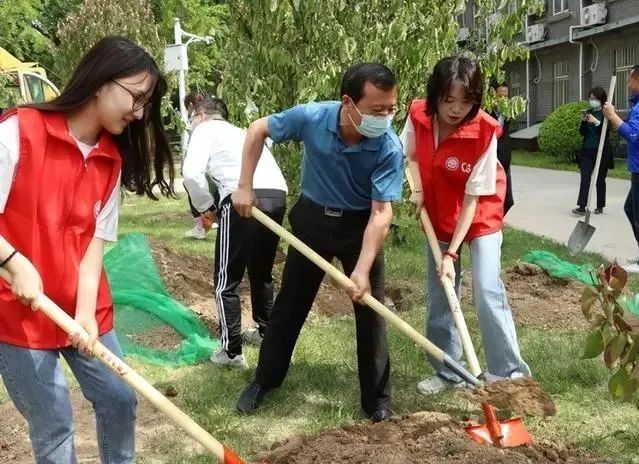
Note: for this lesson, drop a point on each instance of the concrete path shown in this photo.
(544, 199)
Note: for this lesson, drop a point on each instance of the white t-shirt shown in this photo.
(215, 148)
(107, 220)
(483, 178)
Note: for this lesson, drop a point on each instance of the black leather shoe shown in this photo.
(381, 415)
(250, 398)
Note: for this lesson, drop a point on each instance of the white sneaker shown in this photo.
(435, 384)
(631, 268)
(221, 358)
(197, 232)
(252, 336)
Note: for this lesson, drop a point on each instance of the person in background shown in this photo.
(352, 171)
(243, 244)
(62, 166)
(629, 130)
(201, 225)
(451, 147)
(590, 129)
(504, 150)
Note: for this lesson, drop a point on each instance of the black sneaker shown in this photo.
(250, 398)
(579, 211)
(599, 211)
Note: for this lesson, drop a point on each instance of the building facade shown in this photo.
(574, 45)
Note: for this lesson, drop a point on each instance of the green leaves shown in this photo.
(594, 345)
(588, 299)
(604, 306)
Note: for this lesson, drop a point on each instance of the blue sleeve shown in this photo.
(629, 130)
(388, 177)
(287, 125)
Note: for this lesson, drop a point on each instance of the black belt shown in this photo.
(334, 212)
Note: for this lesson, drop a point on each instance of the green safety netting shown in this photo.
(558, 268)
(144, 310)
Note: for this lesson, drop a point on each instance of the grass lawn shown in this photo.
(321, 390)
(542, 160)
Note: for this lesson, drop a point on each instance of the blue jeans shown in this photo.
(37, 387)
(491, 303)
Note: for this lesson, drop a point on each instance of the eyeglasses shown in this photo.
(140, 102)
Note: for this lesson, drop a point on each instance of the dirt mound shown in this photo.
(425, 438)
(538, 300)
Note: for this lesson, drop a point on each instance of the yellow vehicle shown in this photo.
(26, 82)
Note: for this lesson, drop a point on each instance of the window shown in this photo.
(625, 59)
(515, 84)
(559, 6)
(559, 83)
(461, 20)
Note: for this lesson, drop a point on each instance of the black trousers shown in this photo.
(631, 207)
(245, 244)
(339, 237)
(586, 167)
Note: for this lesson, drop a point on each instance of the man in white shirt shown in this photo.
(215, 150)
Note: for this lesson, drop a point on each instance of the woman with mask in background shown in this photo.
(590, 129)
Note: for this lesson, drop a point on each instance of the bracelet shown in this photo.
(15, 252)
(452, 254)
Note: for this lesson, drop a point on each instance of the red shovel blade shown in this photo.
(509, 433)
(231, 458)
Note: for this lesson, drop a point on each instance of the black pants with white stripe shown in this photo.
(339, 237)
(243, 244)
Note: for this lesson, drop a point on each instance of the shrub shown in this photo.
(559, 134)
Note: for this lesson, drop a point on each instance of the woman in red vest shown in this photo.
(61, 167)
(451, 146)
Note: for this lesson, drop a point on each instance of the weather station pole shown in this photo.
(176, 59)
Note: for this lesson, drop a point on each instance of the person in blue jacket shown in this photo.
(629, 130)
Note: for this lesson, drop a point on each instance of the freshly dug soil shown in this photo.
(538, 300)
(523, 396)
(425, 438)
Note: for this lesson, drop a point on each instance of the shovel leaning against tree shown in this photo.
(529, 388)
(135, 380)
(583, 231)
(503, 434)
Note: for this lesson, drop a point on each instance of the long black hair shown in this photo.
(144, 142)
(455, 68)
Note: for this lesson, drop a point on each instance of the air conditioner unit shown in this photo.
(536, 33)
(594, 14)
(463, 34)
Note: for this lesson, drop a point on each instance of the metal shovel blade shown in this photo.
(580, 237)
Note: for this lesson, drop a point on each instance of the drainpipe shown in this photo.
(581, 49)
(527, 78)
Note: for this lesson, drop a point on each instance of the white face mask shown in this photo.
(594, 103)
(372, 126)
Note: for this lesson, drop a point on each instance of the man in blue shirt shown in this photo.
(629, 130)
(352, 170)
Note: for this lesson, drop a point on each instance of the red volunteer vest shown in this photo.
(446, 170)
(50, 217)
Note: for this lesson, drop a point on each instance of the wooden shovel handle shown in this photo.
(136, 381)
(449, 288)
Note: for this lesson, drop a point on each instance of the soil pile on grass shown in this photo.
(425, 438)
